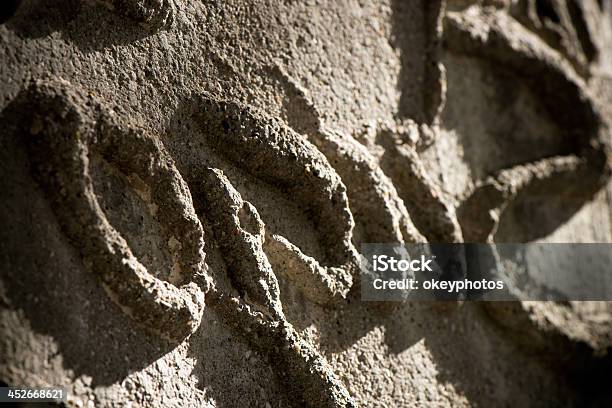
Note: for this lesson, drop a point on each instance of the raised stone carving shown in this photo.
(65, 128)
(270, 150)
(262, 99)
(257, 315)
(574, 175)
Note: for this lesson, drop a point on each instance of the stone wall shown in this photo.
(185, 187)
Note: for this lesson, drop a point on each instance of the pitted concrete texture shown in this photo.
(185, 187)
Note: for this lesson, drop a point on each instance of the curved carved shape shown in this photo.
(497, 38)
(482, 211)
(565, 25)
(64, 129)
(306, 374)
(375, 200)
(378, 211)
(240, 233)
(379, 214)
(270, 150)
(431, 210)
(316, 282)
(258, 314)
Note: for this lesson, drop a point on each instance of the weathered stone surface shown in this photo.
(185, 186)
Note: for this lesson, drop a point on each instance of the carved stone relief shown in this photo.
(261, 182)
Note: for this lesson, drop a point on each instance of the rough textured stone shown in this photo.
(185, 186)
